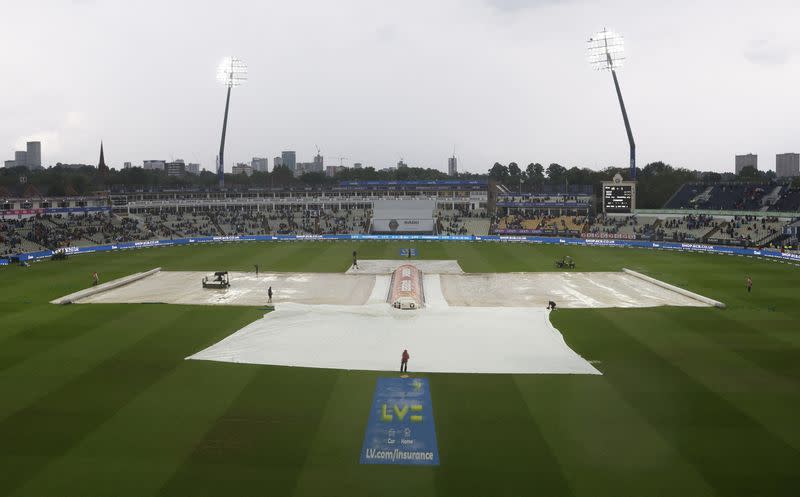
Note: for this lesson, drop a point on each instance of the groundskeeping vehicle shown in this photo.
(218, 280)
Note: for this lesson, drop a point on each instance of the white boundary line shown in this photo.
(675, 289)
(88, 292)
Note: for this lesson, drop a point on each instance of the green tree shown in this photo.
(534, 176)
(711, 177)
(281, 176)
(748, 172)
(657, 182)
(499, 172)
(556, 173)
(315, 179)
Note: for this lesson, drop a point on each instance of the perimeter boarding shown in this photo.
(773, 254)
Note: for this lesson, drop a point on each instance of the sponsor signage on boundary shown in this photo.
(615, 236)
(3, 262)
(400, 429)
(693, 247)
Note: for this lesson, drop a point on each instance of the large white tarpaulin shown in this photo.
(403, 216)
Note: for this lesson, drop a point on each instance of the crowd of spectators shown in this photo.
(56, 231)
(52, 232)
(455, 221)
(543, 198)
(219, 222)
(750, 230)
(10, 238)
(538, 221)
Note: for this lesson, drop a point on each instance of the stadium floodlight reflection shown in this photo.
(232, 72)
(606, 52)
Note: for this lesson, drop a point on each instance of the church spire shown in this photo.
(102, 165)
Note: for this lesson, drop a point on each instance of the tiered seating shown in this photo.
(749, 230)
(680, 199)
(531, 224)
(477, 225)
(789, 201)
(736, 196)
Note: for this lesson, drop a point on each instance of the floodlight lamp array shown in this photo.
(606, 50)
(232, 72)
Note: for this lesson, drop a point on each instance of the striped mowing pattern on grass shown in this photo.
(97, 400)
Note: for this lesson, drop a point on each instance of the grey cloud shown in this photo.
(376, 80)
(767, 52)
(517, 5)
(386, 33)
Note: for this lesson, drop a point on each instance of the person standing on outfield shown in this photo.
(749, 283)
(95, 278)
(404, 362)
(355, 260)
(269, 294)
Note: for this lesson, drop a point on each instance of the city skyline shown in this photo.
(502, 80)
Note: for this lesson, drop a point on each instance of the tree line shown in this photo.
(657, 181)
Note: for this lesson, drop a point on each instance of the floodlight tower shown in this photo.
(232, 72)
(606, 52)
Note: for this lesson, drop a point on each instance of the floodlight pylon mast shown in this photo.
(631, 142)
(221, 159)
(232, 72)
(609, 56)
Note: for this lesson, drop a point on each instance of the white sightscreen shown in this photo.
(403, 216)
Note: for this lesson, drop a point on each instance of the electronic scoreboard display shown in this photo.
(617, 198)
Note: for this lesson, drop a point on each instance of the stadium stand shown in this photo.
(748, 230)
(788, 202)
(736, 196)
(28, 225)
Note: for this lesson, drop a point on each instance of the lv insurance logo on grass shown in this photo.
(400, 429)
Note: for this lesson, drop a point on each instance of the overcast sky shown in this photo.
(374, 81)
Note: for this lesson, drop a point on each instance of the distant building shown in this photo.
(319, 163)
(308, 167)
(260, 164)
(11, 163)
(176, 168)
(332, 171)
(75, 167)
(289, 159)
(127, 165)
(356, 165)
(242, 168)
(101, 164)
(152, 165)
(787, 165)
(21, 158)
(742, 161)
(34, 155)
(452, 166)
(400, 164)
(193, 168)
(277, 162)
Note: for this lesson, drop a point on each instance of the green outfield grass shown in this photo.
(98, 399)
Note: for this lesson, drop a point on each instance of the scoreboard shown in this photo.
(619, 197)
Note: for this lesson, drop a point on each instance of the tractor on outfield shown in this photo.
(566, 262)
(219, 280)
